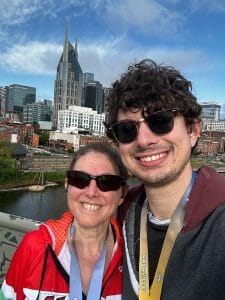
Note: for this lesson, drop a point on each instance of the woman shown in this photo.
(80, 255)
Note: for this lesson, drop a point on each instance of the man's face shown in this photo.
(159, 159)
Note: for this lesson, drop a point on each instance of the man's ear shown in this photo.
(195, 132)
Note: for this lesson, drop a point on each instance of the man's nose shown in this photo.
(145, 136)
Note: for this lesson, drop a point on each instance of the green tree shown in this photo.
(4, 149)
(43, 138)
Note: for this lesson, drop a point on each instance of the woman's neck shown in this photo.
(90, 238)
(88, 245)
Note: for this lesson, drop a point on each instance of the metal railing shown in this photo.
(12, 230)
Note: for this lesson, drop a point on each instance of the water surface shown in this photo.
(50, 203)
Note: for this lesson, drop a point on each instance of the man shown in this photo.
(174, 228)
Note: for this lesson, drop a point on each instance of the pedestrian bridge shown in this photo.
(12, 230)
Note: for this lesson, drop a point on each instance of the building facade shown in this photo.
(3, 93)
(211, 142)
(19, 95)
(81, 120)
(211, 125)
(88, 77)
(16, 133)
(93, 94)
(69, 80)
(211, 117)
(211, 110)
(35, 112)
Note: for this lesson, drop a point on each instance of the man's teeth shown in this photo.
(152, 157)
(90, 206)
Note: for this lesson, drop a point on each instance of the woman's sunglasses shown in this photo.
(104, 182)
(160, 122)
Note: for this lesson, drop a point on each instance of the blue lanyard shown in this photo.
(95, 287)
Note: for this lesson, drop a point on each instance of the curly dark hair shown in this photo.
(151, 87)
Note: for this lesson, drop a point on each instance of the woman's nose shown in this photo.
(92, 188)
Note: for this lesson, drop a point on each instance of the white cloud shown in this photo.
(106, 59)
(208, 5)
(32, 58)
(108, 62)
(149, 16)
(18, 11)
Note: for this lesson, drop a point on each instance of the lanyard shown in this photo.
(175, 227)
(75, 277)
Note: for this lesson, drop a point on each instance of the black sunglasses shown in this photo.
(159, 122)
(104, 182)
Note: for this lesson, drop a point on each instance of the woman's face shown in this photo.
(90, 206)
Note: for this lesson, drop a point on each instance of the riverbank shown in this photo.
(25, 187)
(22, 180)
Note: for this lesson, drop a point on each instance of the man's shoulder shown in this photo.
(132, 195)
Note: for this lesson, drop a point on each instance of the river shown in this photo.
(50, 203)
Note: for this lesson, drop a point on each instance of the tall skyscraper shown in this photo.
(93, 94)
(19, 95)
(88, 77)
(3, 93)
(69, 79)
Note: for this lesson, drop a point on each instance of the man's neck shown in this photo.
(163, 200)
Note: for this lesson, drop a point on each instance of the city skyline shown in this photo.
(111, 35)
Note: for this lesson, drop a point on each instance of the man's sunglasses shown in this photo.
(104, 182)
(159, 122)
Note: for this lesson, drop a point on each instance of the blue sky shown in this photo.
(188, 34)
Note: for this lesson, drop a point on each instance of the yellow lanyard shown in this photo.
(175, 227)
(143, 259)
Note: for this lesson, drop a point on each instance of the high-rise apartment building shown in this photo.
(3, 93)
(39, 111)
(19, 95)
(88, 77)
(69, 79)
(211, 110)
(211, 117)
(77, 119)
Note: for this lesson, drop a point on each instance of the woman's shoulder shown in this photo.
(58, 230)
(47, 232)
(37, 238)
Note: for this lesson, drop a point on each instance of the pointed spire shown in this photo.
(76, 45)
(64, 66)
(65, 50)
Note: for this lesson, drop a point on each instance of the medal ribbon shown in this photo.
(95, 287)
(175, 227)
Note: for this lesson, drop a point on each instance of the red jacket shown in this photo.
(41, 264)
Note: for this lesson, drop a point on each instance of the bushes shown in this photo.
(11, 176)
(7, 169)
